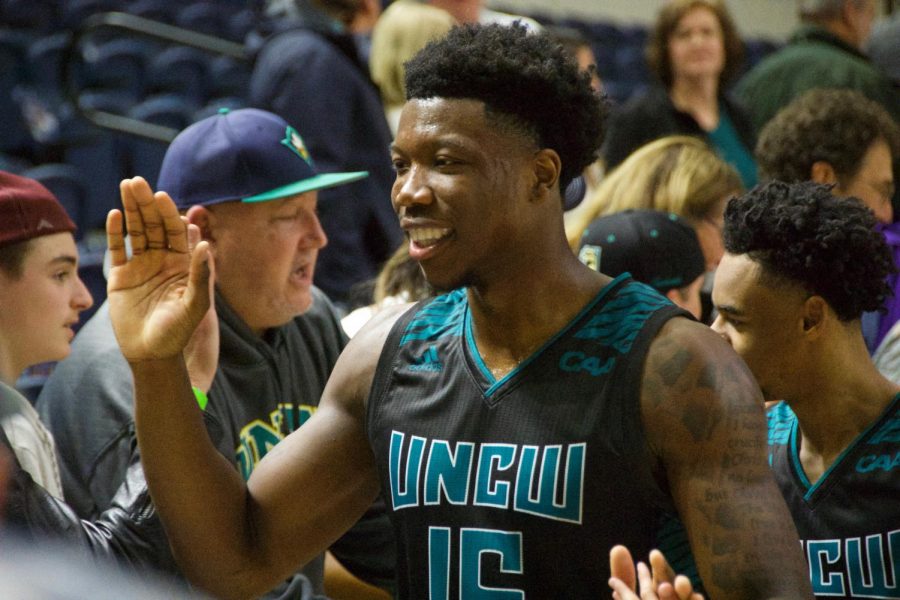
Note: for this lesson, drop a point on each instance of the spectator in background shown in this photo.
(841, 138)
(656, 248)
(694, 50)
(576, 44)
(676, 174)
(883, 47)
(474, 11)
(403, 29)
(400, 281)
(310, 73)
(823, 52)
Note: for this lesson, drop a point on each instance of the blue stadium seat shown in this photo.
(157, 10)
(118, 64)
(170, 110)
(179, 70)
(45, 62)
(210, 18)
(228, 77)
(40, 17)
(240, 24)
(76, 11)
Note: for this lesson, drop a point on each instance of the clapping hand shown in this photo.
(157, 297)
(659, 584)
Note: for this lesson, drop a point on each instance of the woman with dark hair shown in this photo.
(694, 50)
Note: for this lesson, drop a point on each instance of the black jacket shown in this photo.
(651, 115)
(129, 532)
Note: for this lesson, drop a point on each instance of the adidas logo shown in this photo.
(44, 224)
(427, 362)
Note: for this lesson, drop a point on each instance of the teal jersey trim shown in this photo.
(439, 318)
(856, 441)
(479, 362)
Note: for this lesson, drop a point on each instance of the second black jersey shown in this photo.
(848, 520)
(519, 487)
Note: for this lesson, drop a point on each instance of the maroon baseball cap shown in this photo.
(28, 210)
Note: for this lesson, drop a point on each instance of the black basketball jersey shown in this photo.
(849, 520)
(519, 487)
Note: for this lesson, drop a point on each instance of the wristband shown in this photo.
(200, 395)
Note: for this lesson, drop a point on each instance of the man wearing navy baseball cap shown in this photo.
(245, 178)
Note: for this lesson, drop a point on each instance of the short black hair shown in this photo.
(12, 258)
(837, 126)
(526, 77)
(801, 233)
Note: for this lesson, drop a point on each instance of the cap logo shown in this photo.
(293, 141)
(44, 224)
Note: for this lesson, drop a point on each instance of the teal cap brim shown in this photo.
(318, 182)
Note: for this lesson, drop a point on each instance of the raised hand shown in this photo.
(159, 296)
(202, 351)
(660, 584)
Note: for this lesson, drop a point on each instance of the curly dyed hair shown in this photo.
(831, 125)
(524, 79)
(801, 233)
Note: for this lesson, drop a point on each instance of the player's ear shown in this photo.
(823, 172)
(815, 313)
(547, 166)
(203, 218)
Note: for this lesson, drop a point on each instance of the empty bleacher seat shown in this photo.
(170, 110)
(181, 70)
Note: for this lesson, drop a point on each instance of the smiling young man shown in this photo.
(518, 426)
(800, 268)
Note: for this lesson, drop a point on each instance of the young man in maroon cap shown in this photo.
(41, 296)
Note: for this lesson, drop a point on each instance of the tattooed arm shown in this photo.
(704, 421)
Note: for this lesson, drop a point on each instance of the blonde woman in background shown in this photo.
(675, 174)
(403, 29)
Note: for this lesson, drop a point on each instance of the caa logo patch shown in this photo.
(575, 362)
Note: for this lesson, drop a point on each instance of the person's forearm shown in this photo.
(199, 495)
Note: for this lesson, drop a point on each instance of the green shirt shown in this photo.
(814, 58)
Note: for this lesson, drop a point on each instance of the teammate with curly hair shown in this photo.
(842, 138)
(520, 425)
(800, 268)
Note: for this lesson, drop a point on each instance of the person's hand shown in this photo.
(159, 296)
(202, 351)
(660, 584)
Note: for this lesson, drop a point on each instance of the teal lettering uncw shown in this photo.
(489, 492)
(474, 543)
(875, 571)
(438, 563)
(828, 552)
(409, 496)
(448, 472)
(544, 502)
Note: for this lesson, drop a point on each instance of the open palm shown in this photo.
(159, 295)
